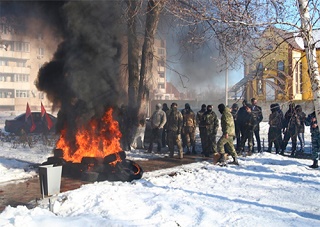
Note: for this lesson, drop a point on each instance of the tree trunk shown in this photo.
(310, 50)
(133, 54)
(138, 95)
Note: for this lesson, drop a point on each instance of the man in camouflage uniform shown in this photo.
(258, 117)
(189, 128)
(174, 127)
(228, 132)
(311, 121)
(202, 126)
(212, 123)
(275, 126)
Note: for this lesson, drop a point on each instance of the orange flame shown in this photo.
(102, 138)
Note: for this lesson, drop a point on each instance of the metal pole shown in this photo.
(226, 77)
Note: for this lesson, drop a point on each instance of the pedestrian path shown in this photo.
(28, 192)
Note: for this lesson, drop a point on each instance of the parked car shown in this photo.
(18, 123)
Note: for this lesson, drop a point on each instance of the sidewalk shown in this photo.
(27, 192)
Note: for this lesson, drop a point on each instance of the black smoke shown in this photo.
(86, 64)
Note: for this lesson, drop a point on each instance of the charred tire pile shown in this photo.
(93, 169)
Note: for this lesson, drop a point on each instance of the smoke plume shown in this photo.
(86, 65)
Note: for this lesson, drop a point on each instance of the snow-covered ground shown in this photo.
(265, 190)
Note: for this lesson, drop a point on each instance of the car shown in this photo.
(18, 123)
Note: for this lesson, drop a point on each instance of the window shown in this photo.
(161, 86)
(41, 95)
(161, 51)
(280, 73)
(40, 36)
(4, 63)
(297, 77)
(161, 75)
(22, 94)
(162, 43)
(41, 51)
(21, 64)
(259, 87)
(161, 63)
(260, 69)
(22, 46)
(21, 77)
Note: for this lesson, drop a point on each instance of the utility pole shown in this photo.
(226, 82)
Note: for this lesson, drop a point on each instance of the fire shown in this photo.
(102, 138)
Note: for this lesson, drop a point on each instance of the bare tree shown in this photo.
(138, 87)
(310, 49)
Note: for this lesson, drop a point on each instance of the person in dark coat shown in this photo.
(277, 106)
(245, 121)
(290, 130)
(301, 117)
(234, 112)
(275, 126)
(311, 121)
(165, 108)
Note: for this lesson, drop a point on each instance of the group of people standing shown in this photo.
(172, 127)
(179, 128)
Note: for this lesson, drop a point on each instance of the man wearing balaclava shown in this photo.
(202, 126)
(228, 132)
(174, 126)
(212, 123)
(188, 129)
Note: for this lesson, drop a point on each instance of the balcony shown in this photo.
(14, 69)
(7, 85)
(7, 101)
(14, 54)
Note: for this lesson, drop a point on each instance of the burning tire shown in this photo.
(54, 161)
(113, 157)
(128, 170)
(91, 160)
(89, 176)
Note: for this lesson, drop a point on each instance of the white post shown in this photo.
(226, 77)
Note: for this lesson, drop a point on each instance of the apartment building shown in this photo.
(22, 52)
(157, 80)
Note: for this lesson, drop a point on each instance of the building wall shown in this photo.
(297, 86)
(20, 62)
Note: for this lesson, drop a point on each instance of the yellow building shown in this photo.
(277, 70)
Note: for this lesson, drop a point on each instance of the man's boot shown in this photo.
(194, 150)
(315, 164)
(216, 158)
(222, 160)
(235, 161)
(188, 150)
(293, 153)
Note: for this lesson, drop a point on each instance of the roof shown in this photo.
(242, 82)
(295, 38)
(316, 37)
